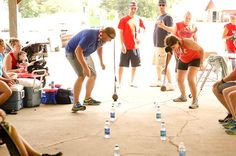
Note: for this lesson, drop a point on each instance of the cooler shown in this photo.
(15, 102)
(32, 88)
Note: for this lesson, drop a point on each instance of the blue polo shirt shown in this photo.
(87, 39)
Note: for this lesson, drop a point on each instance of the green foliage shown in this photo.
(147, 8)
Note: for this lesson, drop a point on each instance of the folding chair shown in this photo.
(214, 64)
(6, 139)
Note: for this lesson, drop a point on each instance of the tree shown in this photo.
(147, 8)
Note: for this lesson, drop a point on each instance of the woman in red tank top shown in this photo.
(10, 61)
(190, 59)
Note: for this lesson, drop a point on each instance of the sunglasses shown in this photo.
(109, 35)
(162, 5)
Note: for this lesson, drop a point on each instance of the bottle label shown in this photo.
(181, 153)
(158, 115)
(107, 131)
(163, 133)
(112, 115)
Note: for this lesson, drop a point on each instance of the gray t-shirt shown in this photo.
(159, 34)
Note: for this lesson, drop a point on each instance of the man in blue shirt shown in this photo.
(78, 51)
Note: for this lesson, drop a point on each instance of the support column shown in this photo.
(12, 5)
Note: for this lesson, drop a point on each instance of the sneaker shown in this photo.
(230, 124)
(133, 85)
(78, 107)
(180, 99)
(169, 87)
(58, 154)
(194, 105)
(118, 85)
(229, 116)
(91, 101)
(231, 131)
(157, 84)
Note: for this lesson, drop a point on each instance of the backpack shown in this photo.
(64, 96)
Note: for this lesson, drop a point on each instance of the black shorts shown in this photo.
(132, 56)
(222, 86)
(184, 66)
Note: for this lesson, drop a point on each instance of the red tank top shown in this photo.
(14, 61)
(187, 55)
(229, 42)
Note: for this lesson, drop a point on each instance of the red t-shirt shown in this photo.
(183, 30)
(14, 61)
(229, 42)
(187, 55)
(131, 27)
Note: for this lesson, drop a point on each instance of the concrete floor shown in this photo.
(51, 128)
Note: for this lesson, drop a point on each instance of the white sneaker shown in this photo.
(118, 86)
(194, 105)
(133, 85)
(156, 84)
(169, 87)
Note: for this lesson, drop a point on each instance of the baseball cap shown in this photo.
(162, 2)
(132, 4)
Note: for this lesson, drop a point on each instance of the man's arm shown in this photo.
(123, 49)
(100, 56)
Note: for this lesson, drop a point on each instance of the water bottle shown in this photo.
(158, 114)
(107, 129)
(163, 131)
(116, 150)
(52, 84)
(182, 149)
(112, 113)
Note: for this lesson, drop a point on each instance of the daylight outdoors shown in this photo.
(51, 127)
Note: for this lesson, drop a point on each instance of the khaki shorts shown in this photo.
(77, 66)
(159, 56)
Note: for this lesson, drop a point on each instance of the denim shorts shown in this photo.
(77, 66)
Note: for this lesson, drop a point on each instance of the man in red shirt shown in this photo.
(130, 28)
(229, 35)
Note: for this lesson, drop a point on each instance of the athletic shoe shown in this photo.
(180, 99)
(194, 105)
(157, 84)
(230, 124)
(91, 101)
(133, 85)
(231, 131)
(78, 107)
(229, 116)
(169, 87)
(58, 154)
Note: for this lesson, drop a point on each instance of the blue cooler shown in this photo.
(15, 102)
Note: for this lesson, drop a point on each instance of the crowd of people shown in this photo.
(179, 39)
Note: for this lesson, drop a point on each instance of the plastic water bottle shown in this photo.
(158, 114)
(107, 129)
(112, 113)
(116, 150)
(163, 131)
(182, 149)
(52, 85)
